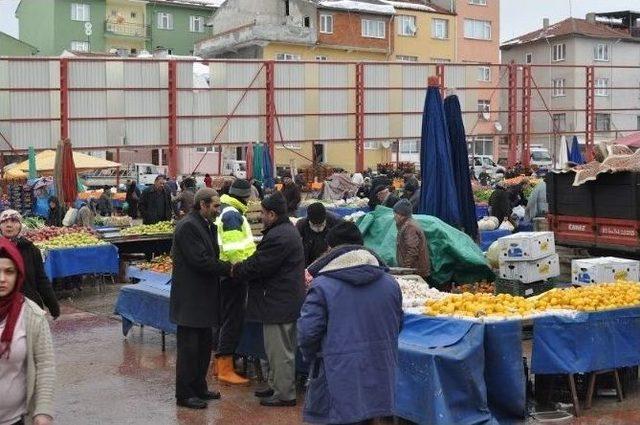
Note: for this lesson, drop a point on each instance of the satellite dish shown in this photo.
(386, 144)
(486, 115)
(497, 126)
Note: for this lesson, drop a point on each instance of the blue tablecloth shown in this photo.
(487, 237)
(454, 371)
(339, 211)
(66, 262)
(148, 275)
(586, 343)
(146, 303)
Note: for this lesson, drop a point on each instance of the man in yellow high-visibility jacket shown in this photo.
(236, 244)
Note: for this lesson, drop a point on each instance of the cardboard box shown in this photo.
(531, 271)
(604, 270)
(527, 246)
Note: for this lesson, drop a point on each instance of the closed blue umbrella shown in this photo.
(267, 170)
(460, 165)
(257, 162)
(438, 195)
(575, 155)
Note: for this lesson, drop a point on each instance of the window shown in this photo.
(410, 146)
(602, 87)
(440, 60)
(373, 28)
(290, 146)
(558, 87)
(559, 122)
(287, 57)
(114, 12)
(484, 107)
(205, 149)
(165, 21)
(79, 46)
(484, 73)
(528, 57)
(481, 145)
(601, 52)
(406, 25)
(80, 12)
(440, 29)
(404, 58)
(326, 24)
(478, 2)
(370, 145)
(603, 122)
(321, 58)
(559, 52)
(196, 23)
(480, 30)
(134, 15)
(307, 22)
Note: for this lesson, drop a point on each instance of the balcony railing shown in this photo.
(127, 29)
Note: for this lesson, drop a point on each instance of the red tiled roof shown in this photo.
(570, 26)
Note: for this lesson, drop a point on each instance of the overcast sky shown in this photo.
(517, 16)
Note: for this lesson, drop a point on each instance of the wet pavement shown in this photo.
(104, 378)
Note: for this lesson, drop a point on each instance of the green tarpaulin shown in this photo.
(454, 255)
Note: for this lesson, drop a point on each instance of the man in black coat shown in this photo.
(277, 268)
(195, 298)
(37, 286)
(500, 203)
(155, 203)
(313, 229)
(291, 193)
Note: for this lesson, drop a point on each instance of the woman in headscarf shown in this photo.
(27, 371)
(56, 212)
(37, 286)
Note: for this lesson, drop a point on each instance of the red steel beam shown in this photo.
(590, 120)
(440, 70)
(360, 117)
(512, 121)
(526, 115)
(172, 151)
(270, 98)
(64, 99)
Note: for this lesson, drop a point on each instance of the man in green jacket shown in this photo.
(236, 244)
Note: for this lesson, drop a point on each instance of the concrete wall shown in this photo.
(423, 45)
(10, 46)
(36, 24)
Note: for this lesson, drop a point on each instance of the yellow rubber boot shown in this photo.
(226, 374)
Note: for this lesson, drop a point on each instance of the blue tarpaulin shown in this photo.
(460, 166)
(575, 155)
(440, 372)
(339, 211)
(587, 342)
(438, 195)
(66, 262)
(146, 303)
(487, 237)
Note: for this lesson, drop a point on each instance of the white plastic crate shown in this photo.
(603, 270)
(527, 246)
(531, 271)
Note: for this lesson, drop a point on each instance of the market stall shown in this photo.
(351, 207)
(151, 240)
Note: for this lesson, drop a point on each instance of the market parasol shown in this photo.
(249, 161)
(257, 162)
(267, 170)
(438, 195)
(575, 155)
(65, 173)
(460, 165)
(45, 162)
(32, 163)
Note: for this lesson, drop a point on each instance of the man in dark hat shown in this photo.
(277, 270)
(195, 298)
(382, 196)
(344, 233)
(291, 193)
(236, 244)
(314, 229)
(412, 192)
(411, 250)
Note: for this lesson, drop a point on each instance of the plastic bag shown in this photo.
(506, 225)
(519, 212)
(70, 217)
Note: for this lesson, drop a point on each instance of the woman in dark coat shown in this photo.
(56, 212)
(348, 329)
(36, 285)
(132, 198)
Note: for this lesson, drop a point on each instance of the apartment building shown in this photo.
(607, 41)
(125, 26)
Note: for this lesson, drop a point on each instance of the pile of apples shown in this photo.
(47, 233)
(160, 264)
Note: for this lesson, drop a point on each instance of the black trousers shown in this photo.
(192, 363)
(233, 302)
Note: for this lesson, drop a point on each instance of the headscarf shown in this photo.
(11, 304)
(10, 215)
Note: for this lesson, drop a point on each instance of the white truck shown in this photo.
(540, 156)
(142, 174)
(235, 168)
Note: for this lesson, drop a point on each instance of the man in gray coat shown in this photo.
(195, 298)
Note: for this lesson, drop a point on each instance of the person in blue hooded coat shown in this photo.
(348, 331)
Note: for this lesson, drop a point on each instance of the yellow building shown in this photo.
(125, 25)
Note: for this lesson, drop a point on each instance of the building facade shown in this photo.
(126, 26)
(600, 40)
(11, 46)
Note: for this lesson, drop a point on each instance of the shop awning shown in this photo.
(45, 161)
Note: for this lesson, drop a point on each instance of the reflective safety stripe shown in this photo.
(235, 245)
